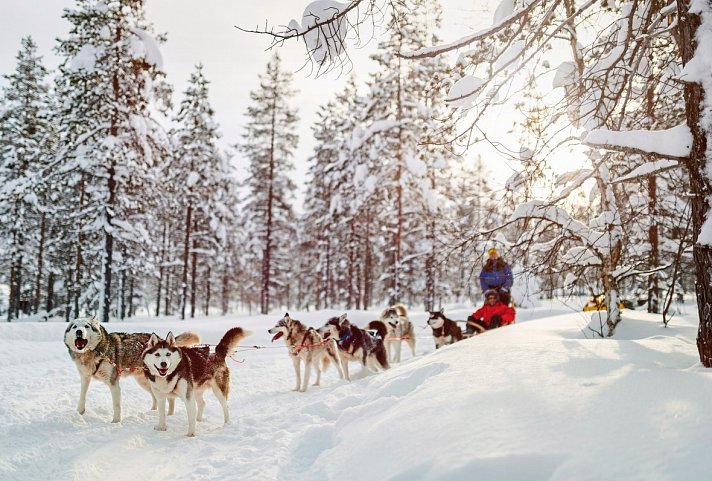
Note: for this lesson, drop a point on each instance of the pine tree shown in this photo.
(197, 167)
(109, 80)
(269, 141)
(26, 151)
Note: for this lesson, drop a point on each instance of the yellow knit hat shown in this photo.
(491, 251)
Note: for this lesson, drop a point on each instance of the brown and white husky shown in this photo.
(173, 371)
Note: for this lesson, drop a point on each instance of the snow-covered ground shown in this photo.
(534, 401)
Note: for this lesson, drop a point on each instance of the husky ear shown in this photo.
(94, 320)
(152, 341)
(286, 315)
(170, 339)
(343, 317)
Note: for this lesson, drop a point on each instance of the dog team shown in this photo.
(179, 367)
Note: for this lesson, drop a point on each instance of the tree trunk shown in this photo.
(186, 251)
(194, 276)
(49, 300)
(225, 290)
(161, 268)
(79, 261)
(267, 252)
(131, 297)
(654, 260)
(367, 264)
(694, 94)
(122, 296)
(168, 298)
(206, 305)
(40, 259)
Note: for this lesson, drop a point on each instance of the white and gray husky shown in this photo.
(107, 356)
(185, 372)
(306, 346)
(399, 329)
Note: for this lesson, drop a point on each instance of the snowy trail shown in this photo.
(535, 401)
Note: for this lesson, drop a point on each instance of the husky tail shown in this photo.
(187, 339)
(379, 327)
(382, 356)
(229, 342)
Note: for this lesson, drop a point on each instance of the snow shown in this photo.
(85, 59)
(649, 168)
(464, 92)
(565, 75)
(146, 47)
(539, 400)
(674, 142)
(324, 44)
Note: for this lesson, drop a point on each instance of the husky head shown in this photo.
(283, 327)
(333, 326)
(161, 357)
(83, 335)
(392, 317)
(436, 319)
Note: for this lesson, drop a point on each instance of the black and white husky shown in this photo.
(173, 371)
(355, 344)
(445, 331)
(107, 357)
(399, 329)
(306, 346)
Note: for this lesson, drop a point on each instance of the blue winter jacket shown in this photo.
(496, 275)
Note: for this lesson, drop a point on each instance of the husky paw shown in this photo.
(81, 410)
(158, 427)
(190, 435)
(116, 420)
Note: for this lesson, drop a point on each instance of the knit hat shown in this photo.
(491, 292)
(491, 251)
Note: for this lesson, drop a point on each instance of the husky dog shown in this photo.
(378, 328)
(399, 329)
(355, 344)
(306, 345)
(173, 371)
(107, 356)
(445, 331)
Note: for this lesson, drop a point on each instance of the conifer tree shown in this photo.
(26, 150)
(269, 141)
(109, 80)
(197, 164)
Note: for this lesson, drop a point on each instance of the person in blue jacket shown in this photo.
(496, 274)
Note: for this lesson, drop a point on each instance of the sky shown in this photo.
(205, 32)
(540, 400)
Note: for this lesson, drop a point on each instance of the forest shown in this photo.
(115, 196)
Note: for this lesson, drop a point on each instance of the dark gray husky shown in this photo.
(355, 344)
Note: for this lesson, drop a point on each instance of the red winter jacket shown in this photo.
(486, 312)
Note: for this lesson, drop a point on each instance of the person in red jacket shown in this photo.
(490, 316)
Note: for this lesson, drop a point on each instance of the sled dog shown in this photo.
(445, 331)
(306, 345)
(399, 329)
(378, 328)
(355, 344)
(107, 356)
(187, 372)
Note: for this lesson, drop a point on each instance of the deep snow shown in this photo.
(536, 401)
